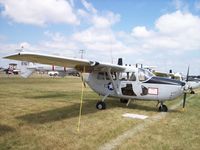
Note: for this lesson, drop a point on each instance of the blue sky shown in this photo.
(162, 33)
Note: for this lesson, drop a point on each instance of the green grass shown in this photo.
(42, 113)
(178, 131)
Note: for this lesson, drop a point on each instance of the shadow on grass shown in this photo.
(5, 129)
(58, 114)
(143, 107)
(53, 95)
(71, 111)
(155, 109)
(133, 105)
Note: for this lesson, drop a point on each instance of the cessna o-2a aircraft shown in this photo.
(116, 80)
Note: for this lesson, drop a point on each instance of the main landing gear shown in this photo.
(101, 104)
(162, 107)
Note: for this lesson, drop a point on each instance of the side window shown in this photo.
(127, 76)
(100, 76)
(107, 77)
(133, 77)
(123, 76)
(104, 76)
(144, 74)
(114, 75)
(141, 76)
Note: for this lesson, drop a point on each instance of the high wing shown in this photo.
(161, 74)
(78, 64)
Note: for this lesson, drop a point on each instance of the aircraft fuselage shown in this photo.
(132, 84)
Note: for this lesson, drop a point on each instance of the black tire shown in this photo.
(192, 92)
(101, 105)
(163, 108)
(124, 100)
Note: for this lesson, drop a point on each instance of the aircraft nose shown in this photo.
(161, 80)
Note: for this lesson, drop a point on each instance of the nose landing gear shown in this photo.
(162, 107)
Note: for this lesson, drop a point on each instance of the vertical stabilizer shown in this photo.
(27, 69)
(120, 61)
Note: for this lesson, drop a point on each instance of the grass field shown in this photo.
(42, 113)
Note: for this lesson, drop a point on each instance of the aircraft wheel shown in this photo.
(124, 100)
(163, 108)
(192, 92)
(101, 105)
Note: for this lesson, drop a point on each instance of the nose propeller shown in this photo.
(185, 94)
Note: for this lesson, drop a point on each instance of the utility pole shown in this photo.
(82, 52)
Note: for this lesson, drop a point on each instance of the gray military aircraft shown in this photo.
(116, 80)
(27, 68)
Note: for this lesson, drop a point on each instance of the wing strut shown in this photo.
(113, 83)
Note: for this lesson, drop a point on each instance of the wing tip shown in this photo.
(11, 56)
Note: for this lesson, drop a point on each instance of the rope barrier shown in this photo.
(81, 101)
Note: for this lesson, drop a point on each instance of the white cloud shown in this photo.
(141, 31)
(57, 37)
(96, 18)
(99, 37)
(93, 34)
(173, 35)
(175, 32)
(39, 12)
(177, 22)
(180, 5)
(89, 6)
(58, 43)
(106, 21)
(102, 40)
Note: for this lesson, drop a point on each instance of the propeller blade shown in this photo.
(187, 73)
(184, 99)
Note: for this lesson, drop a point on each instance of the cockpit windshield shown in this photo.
(143, 74)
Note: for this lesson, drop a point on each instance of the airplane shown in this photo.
(193, 82)
(116, 80)
(27, 68)
(59, 71)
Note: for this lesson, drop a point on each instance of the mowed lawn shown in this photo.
(42, 113)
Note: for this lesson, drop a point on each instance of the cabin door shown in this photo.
(126, 84)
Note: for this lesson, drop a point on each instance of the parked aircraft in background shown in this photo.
(193, 81)
(27, 68)
(109, 80)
